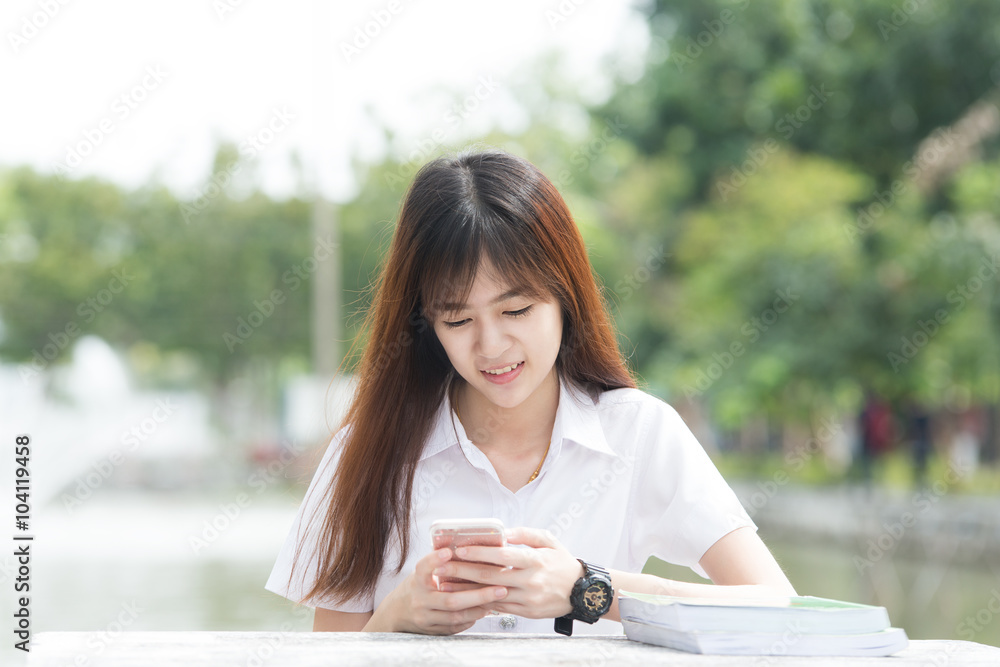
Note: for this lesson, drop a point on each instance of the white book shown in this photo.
(812, 615)
(801, 625)
(883, 643)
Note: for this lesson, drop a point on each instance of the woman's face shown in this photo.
(503, 343)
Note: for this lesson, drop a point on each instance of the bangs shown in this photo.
(508, 251)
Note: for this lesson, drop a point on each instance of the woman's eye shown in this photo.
(510, 313)
(519, 313)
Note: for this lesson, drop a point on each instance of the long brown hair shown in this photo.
(457, 211)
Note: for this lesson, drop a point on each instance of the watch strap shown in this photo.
(564, 625)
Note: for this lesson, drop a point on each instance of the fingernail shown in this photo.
(500, 592)
(442, 554)
(461, 551)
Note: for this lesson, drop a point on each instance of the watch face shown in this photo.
(595, 598)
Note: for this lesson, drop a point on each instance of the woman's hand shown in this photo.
(416, 605)
(538, 580)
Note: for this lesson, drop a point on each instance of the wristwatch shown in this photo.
(591, 598)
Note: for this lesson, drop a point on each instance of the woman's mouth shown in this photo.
(504, 374)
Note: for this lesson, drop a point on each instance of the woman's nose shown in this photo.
(493, 341)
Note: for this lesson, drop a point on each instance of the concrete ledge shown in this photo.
(304, 649)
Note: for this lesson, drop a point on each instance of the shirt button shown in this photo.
(508, 622)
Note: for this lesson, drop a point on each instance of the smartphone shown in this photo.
(454, 533)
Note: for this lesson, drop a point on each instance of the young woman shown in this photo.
(492, 386)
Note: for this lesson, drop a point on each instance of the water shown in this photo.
(930, 599)
(130, 562)
(126, 563)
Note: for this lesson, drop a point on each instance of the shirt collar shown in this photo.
(576, 421)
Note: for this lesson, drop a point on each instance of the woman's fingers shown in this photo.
(438, 612)
(450, 622)
(533, 537)
(478, 573)
(455, 586)
(505, 556)
(471, 599)
(454, 612)
(530, 580)
(424, 569)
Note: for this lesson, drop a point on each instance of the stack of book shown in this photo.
(803, 626)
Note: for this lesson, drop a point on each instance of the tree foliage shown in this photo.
(797, 201)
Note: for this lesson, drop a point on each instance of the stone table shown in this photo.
(304, 649)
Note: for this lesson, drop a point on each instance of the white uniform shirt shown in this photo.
(624, 479)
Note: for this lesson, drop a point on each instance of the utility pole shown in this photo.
(326, 121)
(326, 289)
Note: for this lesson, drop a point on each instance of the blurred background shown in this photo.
(792, 207)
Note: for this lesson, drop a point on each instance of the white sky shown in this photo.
(223, 77)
